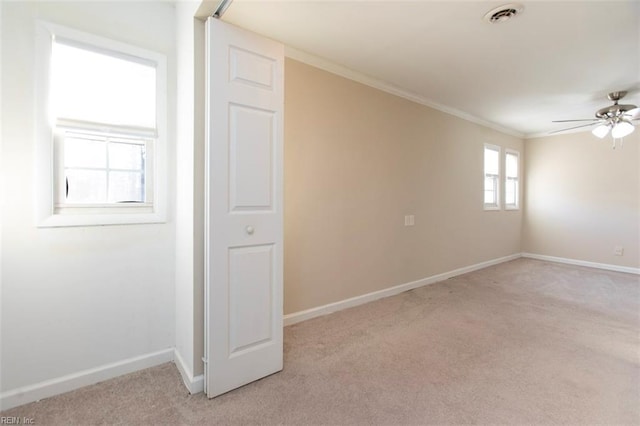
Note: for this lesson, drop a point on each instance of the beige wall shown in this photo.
(356, 161)
(583, 198)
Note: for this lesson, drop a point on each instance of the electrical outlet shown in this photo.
(618, 251)
(409, 220)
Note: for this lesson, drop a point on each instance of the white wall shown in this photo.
(1, 191)
(583, 198)
(78, 298)
(189, 194)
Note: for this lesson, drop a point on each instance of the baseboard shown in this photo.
(193, 384)
(297, 317)
(80, 379)
(606, 266)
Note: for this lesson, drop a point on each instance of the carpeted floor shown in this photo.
(524, 342)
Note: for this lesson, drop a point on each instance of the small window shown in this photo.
(511, 183)
(104, 169)
(105, 113)
(104, 108)
(491, 177)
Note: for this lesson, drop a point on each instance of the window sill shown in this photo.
(491, 208)
(69, 219)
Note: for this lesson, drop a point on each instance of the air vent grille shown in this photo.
(503, 13)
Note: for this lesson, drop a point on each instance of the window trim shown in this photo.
(515, 206)
(496, 206)
(47, 213)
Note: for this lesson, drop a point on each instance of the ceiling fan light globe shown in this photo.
(601, 131)
(622, 129)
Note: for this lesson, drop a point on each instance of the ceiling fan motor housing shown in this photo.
(614, 110)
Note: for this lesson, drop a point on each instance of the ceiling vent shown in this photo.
(503, 13)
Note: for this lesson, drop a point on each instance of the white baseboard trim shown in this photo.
(606, 266)
(48, 388)
(193, 384)
(297, 317)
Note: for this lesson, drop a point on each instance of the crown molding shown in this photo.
(359, 77)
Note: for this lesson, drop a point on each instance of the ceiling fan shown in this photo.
(617, 119)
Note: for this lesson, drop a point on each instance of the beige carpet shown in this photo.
(525, 342)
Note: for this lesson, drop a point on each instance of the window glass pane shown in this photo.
(97, 87)
(126, 186)
(86, 186)
(491, 161)
(84, 152)
(490, 190)
(88, 172)
(511, 165)
(489, 197)
(488, 184)
(510, 192)
(127, 156)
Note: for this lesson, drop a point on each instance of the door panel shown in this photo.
(251, 68)
(250, 297)
(243, 168)
(251, 146)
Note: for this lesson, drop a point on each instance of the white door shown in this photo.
(243, 277)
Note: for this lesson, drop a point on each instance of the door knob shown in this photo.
(249, 230)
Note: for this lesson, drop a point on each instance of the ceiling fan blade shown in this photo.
(571, 128)
(568, 121)
(634, 114)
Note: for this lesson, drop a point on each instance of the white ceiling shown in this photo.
(557, 60)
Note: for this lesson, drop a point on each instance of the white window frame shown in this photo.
(496, 206)
(515, 206)
(49, 211)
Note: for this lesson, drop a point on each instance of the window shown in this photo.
(491, 177)
(102, 140)
(103, 169)
(511, 184)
